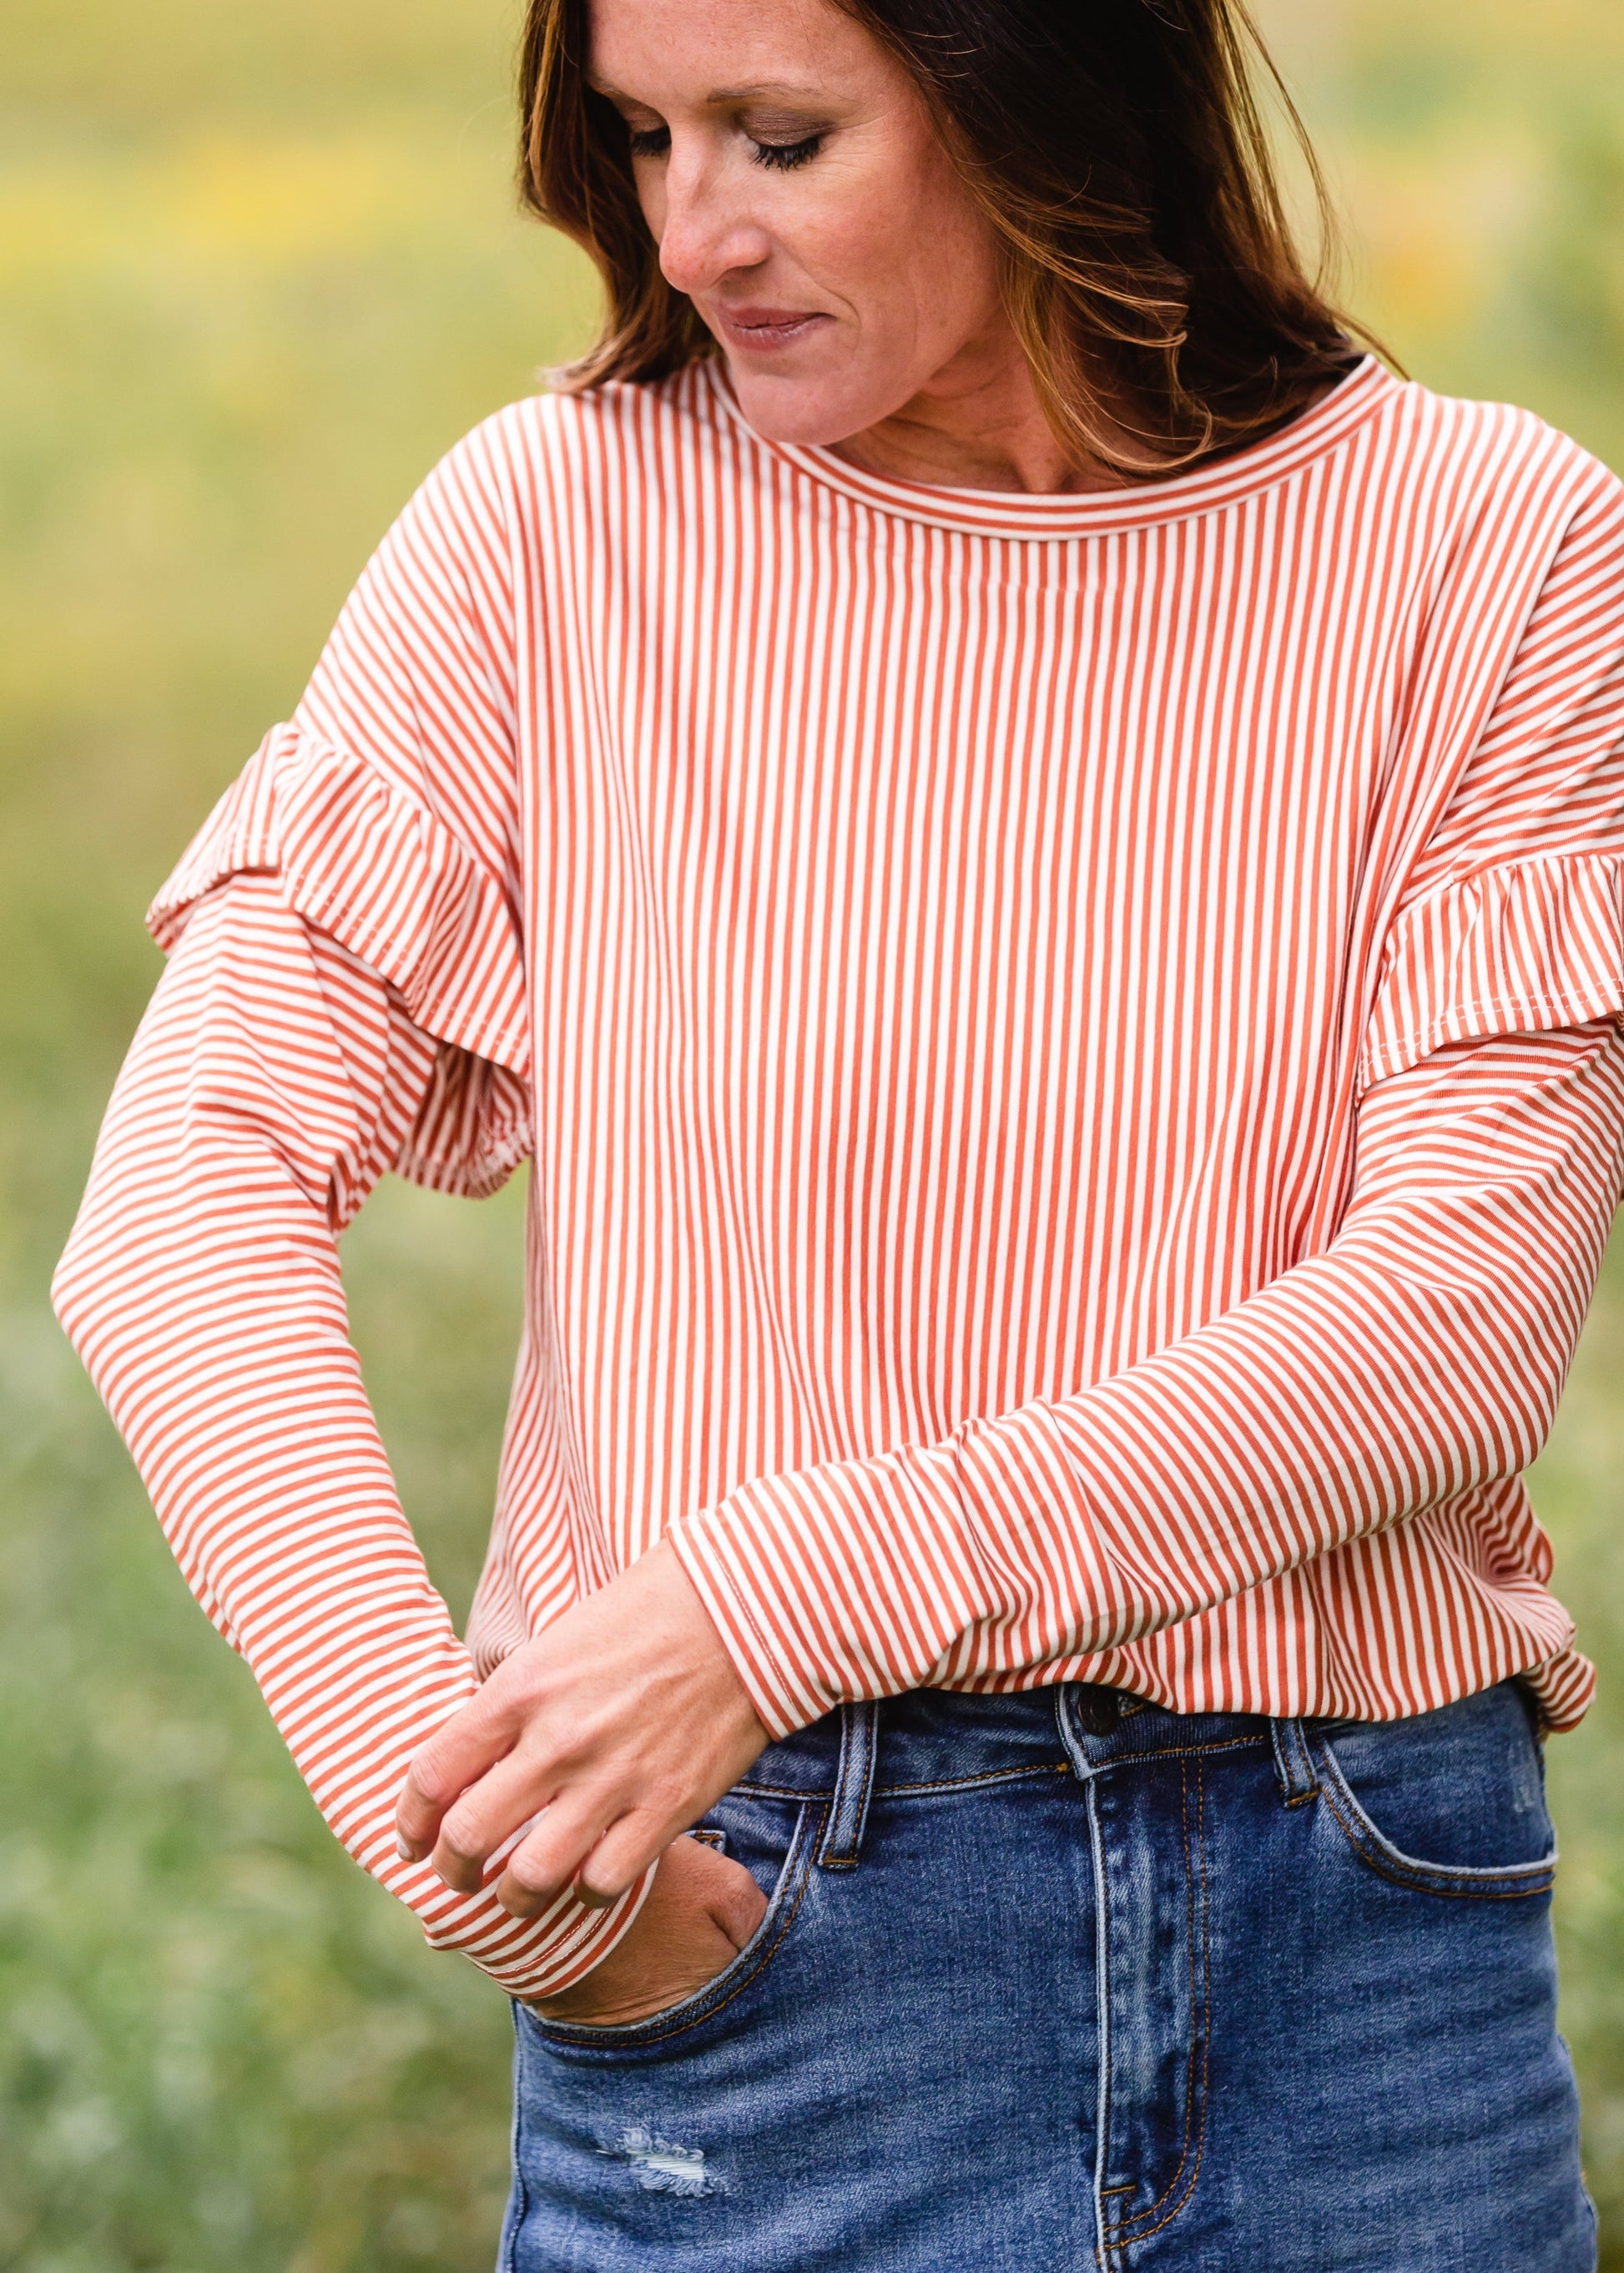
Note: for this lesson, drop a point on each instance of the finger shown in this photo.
(546, 1861)
(620, 1856)
(487, 1814)
(454, 1757)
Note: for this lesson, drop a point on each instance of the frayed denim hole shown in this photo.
(662, 2165)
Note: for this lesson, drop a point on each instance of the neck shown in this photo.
(977, 425)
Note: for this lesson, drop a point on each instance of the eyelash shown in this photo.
(782, 157)
(785, 156)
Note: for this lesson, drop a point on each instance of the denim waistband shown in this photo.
(930, 1737)
(937, 1740)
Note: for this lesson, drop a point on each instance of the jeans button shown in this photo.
(1097, 1710)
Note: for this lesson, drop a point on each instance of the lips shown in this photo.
(767, 328)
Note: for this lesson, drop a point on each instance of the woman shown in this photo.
(1031, 848)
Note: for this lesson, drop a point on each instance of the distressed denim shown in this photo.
(1066, 1981)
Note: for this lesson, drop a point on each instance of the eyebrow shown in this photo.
(718, 93)
(752, 93)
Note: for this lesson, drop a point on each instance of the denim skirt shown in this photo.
(1064, 1981)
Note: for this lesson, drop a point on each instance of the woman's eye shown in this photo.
(649, 141)
(786, 154)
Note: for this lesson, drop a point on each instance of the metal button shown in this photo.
(1098, 1710)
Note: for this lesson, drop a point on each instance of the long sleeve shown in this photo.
(273, 1078)
(1420, 1354)
(346, 995)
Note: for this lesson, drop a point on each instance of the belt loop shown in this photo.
(1294, 1763)
(848, 1811)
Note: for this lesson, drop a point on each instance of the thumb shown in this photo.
(733, 1899)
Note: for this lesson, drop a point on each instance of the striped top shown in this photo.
(1067, 1045)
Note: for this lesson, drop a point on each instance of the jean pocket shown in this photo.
(775, 1840)
(1448, 1803)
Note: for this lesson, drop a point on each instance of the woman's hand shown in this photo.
(700, 1910)
(624, 1722)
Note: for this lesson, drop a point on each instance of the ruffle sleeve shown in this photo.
(1519, 948)
(363, 861)
(380, 873)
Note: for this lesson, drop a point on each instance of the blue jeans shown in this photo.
(1064, 1981)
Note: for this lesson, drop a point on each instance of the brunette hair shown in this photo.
(1118, 148)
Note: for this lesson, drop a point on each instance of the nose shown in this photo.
(705, 227)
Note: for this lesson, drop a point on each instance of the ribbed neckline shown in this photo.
(999, 513)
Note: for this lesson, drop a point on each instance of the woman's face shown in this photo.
(800, 196)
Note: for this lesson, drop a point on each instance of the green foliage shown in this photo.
(260, 266)
(222, 2047)
(1579, 1488)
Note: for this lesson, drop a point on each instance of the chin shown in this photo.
(806, 406)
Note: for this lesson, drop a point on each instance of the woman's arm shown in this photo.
(1422, 1352)
(275, 1077)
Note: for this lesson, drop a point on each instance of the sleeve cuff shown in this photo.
(542, 1956)
(844, 1581)
(862, 1579)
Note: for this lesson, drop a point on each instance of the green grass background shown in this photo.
(258, 266)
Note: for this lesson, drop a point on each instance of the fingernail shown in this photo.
(407, 1854)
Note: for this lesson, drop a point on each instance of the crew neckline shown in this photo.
(1018, 513)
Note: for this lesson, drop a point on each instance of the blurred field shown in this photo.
(257, 267)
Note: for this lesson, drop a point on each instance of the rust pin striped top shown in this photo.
(1068, 1048)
